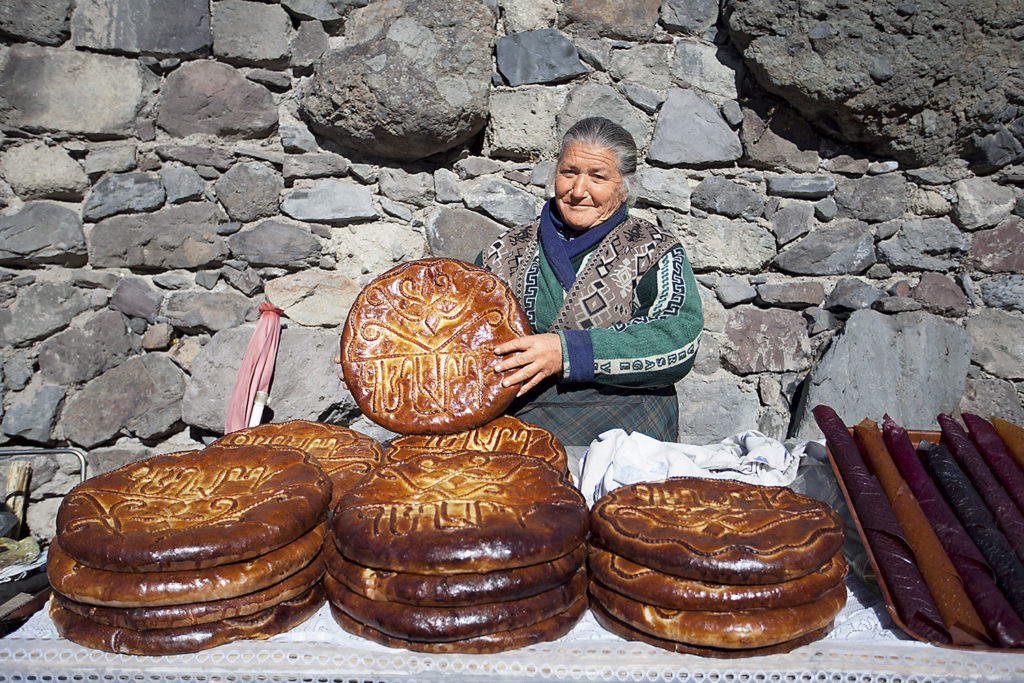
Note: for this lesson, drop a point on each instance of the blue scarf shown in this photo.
(560, 250)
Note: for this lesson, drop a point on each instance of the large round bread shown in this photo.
(345, 454)
(731, 629)
(549, 629)
(718, 530)
(172, 641)
(193, 509)
(627, 632)
(465, 512)
(443, 624)
(674, 592)
(190, 614)
(147, 589)
(505, 433)
(417, 348)
(452, 589)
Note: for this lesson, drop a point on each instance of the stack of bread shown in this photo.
(461, 552)
(182, 552)
(716, 567)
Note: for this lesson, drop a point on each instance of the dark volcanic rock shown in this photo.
(214, 98)
(273, 243)
(183, 236)
(42, 233)
(168, 27)
(78, 354)
(541, 56)
(41, 21)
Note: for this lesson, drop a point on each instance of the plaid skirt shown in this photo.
(576, 414)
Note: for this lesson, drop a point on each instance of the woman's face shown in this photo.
(588, 185)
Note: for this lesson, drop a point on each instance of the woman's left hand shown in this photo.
(537, 356)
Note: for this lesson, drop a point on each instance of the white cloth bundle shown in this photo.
(616, 458)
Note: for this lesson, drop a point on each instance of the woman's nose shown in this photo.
(579, 186)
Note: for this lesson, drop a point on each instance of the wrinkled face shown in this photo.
(588, 185)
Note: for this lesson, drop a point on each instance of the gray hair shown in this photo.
(601, 132)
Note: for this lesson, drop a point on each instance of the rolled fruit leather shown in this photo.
(1007, 516)
(1000, 620)
(908, 594)
(977, 520)
(1012, 436)
(997, 456)
(938, 572)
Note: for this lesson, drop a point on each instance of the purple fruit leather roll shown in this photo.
(998, 457)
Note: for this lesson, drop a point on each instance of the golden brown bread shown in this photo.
(465, 512)
(147, 589)
(345, 454)
(675, 592)
(452, 589)
(549, 629)
(626, 631)
(173, 641)
(193, 509)
(718, 530)
(445, 624)
(505, 433)
(417, 348)
(190, 614)
(731, 629)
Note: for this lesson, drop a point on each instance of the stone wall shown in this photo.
(167, 165)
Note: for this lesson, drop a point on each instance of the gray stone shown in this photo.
(1004, 291)
(38, 311)
(826, 209)
(801, 186)
(989, 153)
(313, 298)
(927, 176)
(207, 311)
(992, 398)
(663, 187)
(851, 294)
(819, 320)
(32, 413)
(459, 233)
(648, 64)
(779, 139)
(278, 81)
(335, 202)
(305, 384)
(793, 219)
(249, 190)
(158, 337)
(791, 294)
(630, 21)
(412, 188)
(194, 155)
(502, 201)
(297, 140)
(691, 131)
(186, 350)
(40, 21)
(876, 365)
(689, 16)
(251, 33)
(273, 243)
(412, 79)
(998, 250)
(716, 194)
(713, 69)
(527, 16)
(734, 290)
(84, 351)
(981, 203)
(923, 202)
(308, 44)
(207, 279)
(880, 167)
(733, 113)
(837, 248)
(141, 397)
(596, 99)
(718, 243)
(998, 338)
(446, 186)
(110, 157)
(73, 92)
(367, 250)
(42, 233)
(136, 299)
(183, 236)
(95, 279)
(18, 369)
(541, 56)
(645, 99)
(246, 280)
(713, 408)
(873, 199)
(396, 210)
(323, 165)
(161, 27)
(123, 193)
(511, 135)
(474, 167)
(182, 184)
(928, 244)
(38, 171)
(939, 294)
(765, 340)
(896, 304)
(215, 99)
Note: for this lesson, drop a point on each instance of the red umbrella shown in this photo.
(245, 409)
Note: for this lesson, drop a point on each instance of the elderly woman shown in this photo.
(611, 299)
